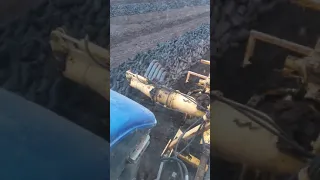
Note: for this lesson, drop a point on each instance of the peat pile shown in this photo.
(176, 55)
(231, 21)
(27, 68)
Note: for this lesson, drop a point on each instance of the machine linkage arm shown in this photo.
(165, 96)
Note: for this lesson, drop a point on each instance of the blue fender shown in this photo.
(37, 144)
(126, 116)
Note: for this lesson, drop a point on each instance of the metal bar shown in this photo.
(203, 164)
(92, 76)
(195, 74)
(160, 171)
(165, 149)
(255, 35)
(189, 134)
(317, 46)
(97, 51)
(130, 75)
(293, 63)
(192, 160)
(205, 62)
(249, 50)
(304, 50)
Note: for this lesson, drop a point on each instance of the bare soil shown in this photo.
(135, 1)
(125, 28)
(133, 34)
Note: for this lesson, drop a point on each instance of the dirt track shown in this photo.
(132, 34)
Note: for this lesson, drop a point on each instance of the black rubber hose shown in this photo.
(181, 136)
(290, 142)
(176, 149)
(86, 45)
(314, 169)
(181, 172)
(189, 143)
(257, 113)
(186, 175)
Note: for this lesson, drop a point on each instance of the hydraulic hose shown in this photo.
(252, 114)
(251, 110)
(186, 173)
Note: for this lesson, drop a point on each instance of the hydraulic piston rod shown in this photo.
(165, 96)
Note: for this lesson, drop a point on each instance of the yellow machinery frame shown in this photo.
(308, 67)
(84, 65)
(180, 102)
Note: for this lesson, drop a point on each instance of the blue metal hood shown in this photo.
(126, 116)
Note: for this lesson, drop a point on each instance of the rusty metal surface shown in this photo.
(255, 35)
(203, 163)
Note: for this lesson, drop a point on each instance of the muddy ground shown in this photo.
(138, 33)
(285, 21)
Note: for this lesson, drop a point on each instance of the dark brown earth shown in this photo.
(130, 35)
(14, 8)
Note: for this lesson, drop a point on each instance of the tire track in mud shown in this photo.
(126, 28)
(176, 55)
(175, 38)
(129, 49)
(142, 7)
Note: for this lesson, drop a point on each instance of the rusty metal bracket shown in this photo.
(255, 35)
(203, 163)
(195, 74)
(206, 62)
(189, 134)
(192, 160)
